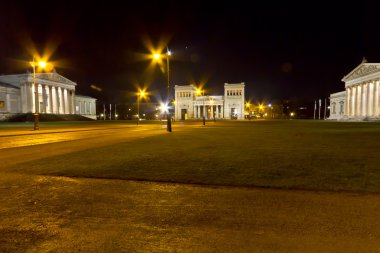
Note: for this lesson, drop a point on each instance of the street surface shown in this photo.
(61, 214)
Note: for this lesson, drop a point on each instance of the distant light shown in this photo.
(270, 105)
(169, 53)
(144, 114)
(292, 114)
(101, 115)
(164, 107)
(117, 115)
(129, 109)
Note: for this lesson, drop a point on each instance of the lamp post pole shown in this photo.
(36, 98)
(169, 122)
(138, 108)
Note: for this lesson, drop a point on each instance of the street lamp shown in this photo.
(41, 64)
(271, 110)
(248, 105)
(140, 94)
(199, 92)
(157, 56)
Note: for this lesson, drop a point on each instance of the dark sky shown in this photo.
(280, 50)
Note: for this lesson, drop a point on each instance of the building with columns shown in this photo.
(191, 104)
(56, 95)
(360, 100)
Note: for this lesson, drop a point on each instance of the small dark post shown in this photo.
(204, 120)
(169, 123)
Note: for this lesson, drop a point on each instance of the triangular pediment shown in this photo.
(363, 69)
(55, 77)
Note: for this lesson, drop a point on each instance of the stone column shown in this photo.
(204, 110)
(8, 103)
(30, 95)
(50, 99)
(63, 99)
(222, 111)
(365, 101)
(23, 98)
(73, 100)
(43, 95)
(376, 98)
(348, 101)
(69, 101)
(370, 98)
(217, 111)
(57, 100)
(358, 100)
(212, 111)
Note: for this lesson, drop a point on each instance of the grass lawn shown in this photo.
(316, 155)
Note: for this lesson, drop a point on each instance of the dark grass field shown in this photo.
(311, 155)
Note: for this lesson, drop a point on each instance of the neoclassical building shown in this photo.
(191, 104)
(56, 95)
(360, 100)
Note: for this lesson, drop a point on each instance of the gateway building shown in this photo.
(192, 104)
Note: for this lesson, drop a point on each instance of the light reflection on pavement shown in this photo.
(41, 137)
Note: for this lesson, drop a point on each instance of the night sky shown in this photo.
(281, 50)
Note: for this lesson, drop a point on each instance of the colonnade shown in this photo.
(208, 111)
(52, 99)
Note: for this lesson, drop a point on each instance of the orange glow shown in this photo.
(142, 93)
(42, 64)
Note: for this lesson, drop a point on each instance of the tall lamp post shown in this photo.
(169, 120)
(157, 56)
(140, 94)
(199, 92)
(41, 64)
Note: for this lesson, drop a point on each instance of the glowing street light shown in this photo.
(141, 94)
(199, 92)
(156, 56)
(41, 64)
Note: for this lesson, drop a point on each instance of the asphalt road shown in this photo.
(61, 214)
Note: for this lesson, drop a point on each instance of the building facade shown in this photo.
(56, 95)
(191, 104)
(361, 97)
(337, 105)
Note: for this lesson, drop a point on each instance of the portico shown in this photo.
(360, 100)
(56, 95)
(362, 91)
(208, 106)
